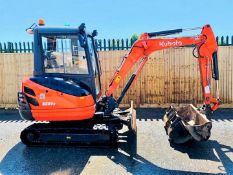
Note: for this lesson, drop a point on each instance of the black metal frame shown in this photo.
(39, 71)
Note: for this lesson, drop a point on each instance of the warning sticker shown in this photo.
(117, 79)
(207, 89)
(42, 96)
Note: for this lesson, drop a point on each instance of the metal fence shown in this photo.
(102, 45)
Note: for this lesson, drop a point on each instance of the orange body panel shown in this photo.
(58, 106)
(64, 114)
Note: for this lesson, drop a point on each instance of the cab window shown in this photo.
(64, 54)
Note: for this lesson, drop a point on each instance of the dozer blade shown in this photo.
(186, 123)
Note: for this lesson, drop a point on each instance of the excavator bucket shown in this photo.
(186, 123)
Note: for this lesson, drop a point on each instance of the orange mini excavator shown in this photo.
(65, 89)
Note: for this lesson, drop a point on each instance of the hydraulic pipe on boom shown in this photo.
(205, 44)
(187, 122)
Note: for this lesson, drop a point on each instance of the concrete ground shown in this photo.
(154, 153)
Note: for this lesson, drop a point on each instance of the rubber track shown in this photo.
(47, 134)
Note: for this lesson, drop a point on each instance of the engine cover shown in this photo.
(55, 99)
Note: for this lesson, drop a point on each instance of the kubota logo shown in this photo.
(170, 43)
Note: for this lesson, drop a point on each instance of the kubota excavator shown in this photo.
(65, 88)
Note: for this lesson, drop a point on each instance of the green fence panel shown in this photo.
(101, 44)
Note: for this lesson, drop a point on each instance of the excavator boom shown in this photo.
(204, 43)
(187, 122)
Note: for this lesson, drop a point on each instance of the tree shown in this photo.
(134, 37)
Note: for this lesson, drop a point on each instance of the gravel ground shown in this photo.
(154, 153)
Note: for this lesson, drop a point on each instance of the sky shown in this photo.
(115, 18)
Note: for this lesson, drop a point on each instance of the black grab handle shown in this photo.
(164, 33)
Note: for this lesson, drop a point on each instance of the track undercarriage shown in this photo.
(101, 131)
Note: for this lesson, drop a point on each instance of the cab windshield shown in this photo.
(64, 54)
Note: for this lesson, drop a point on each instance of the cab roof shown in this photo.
(57, 30)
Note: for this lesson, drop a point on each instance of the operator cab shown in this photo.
(66, 79)
(67, 55)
